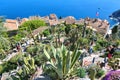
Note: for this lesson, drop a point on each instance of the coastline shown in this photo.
(114, 25)
(97, 24)
(111, 21)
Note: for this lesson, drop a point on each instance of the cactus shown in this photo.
(81, 72)
(62, 61)
(27, 68)
(92, 74)
(114, 63)
(29, 63)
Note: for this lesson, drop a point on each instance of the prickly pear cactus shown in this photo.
(29, 63)
(27, 68)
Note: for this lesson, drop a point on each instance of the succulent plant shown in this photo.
(92, 74)
(63, 61)
(81, 72)
(114, 63)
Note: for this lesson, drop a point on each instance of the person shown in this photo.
(18, 47)
(109, 55)
(112, 49)
(102, 64)
(85, 51)
(90, 50)
(105, 60)
(93, 60)
(109, 49)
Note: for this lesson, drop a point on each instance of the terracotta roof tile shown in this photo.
(100, 25)
(69, 20)
(53, 22)
(11, 24)
(53, 16)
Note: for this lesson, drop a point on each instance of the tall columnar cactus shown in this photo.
(63, 61)
(92, 74)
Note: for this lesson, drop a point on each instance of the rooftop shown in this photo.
(11, 24)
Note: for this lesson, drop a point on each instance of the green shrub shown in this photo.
(31, 24)
(2, 56)
(97, 47)
(95, 71)
(1, 69)
(100, 73)
(7, 66)
(50, 72)
(114, 63)
(81, 72)
(32, 49)
(46, 32)
(15, 58)
(116, 42)
(10, 65)
(116, 54)
(40, 59)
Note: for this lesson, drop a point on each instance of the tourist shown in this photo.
(84, 51)
(112, 49)
(90, 50)
(18, 47)
(105, 60)
(93, 60)
(109, 53)
(102, 64)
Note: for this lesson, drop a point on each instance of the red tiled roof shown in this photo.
(100, 25)
(53, 16)
(53, 22)
(11, 24)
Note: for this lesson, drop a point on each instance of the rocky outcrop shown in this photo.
(116, 31)
(115, 15)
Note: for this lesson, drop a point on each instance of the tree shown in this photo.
(46, 32)
(29, 26)
(84, 29)
(32, 24)
(4, 41)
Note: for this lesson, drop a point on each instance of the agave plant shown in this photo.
(63, 61)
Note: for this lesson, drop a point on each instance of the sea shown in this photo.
(77, 8)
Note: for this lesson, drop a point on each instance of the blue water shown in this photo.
(77, 8)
